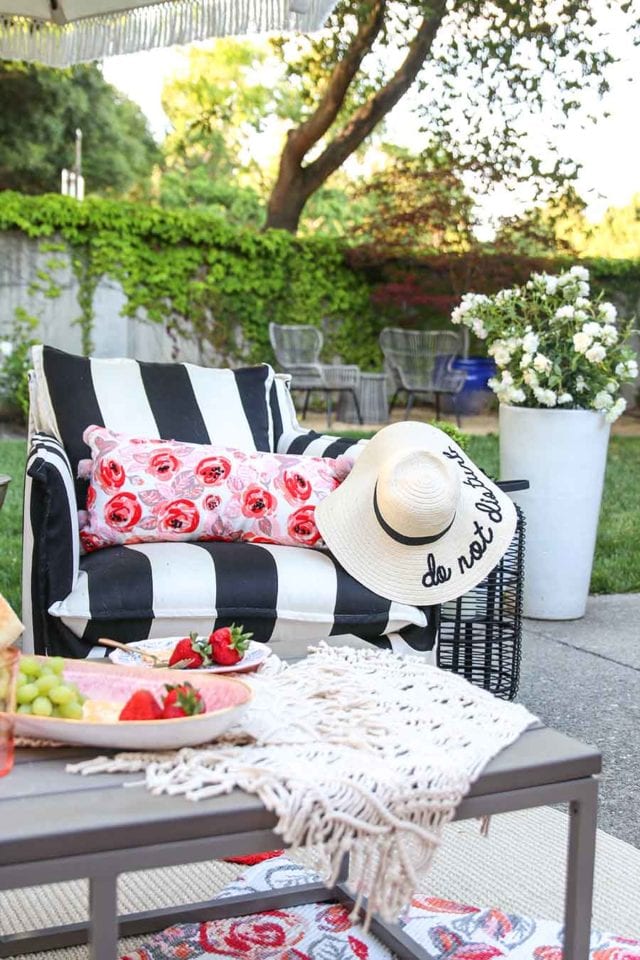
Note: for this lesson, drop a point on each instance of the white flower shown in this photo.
(580, 273)
(582, 302)
(593, 329)
(627, 369)
(525, 361)
(602, 401)
(581, 384)
(530, 378)
(583, 288)
(456, 315)
(616, 410)
(530, 342)
(6, 348)
(609, 334)
(579, 315)
(581, 342)
(479, 328)
(551, 284)
(596, 353)
(564, 313)
(548, 398)
(565, 398)
(541, 363)
(612, 386)
(501, 351)
(516, 395)
(608, 311)
(505, 294)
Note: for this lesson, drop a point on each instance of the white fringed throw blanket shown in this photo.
(356, 751)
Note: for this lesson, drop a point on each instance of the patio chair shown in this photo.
(167, 589)
(421, 362)
(297, 349)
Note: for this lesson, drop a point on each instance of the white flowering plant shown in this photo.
(553, 345)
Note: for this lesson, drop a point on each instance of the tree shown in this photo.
(40, 109)
(482, 68)
(617, 234)
(558, 226)
(417, 204)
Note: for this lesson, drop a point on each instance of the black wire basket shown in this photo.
(480, 634)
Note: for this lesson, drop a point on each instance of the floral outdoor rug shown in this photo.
(447, 930)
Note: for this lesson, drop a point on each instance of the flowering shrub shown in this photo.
(553, 346)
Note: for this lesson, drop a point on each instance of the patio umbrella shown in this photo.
(63, 32)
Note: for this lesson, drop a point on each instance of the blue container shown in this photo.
(475, 395)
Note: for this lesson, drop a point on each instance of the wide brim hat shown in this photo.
(416, 521)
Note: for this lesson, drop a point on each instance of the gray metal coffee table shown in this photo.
(55, 826)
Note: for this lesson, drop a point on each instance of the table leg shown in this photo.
(580, 865)
(103, 911)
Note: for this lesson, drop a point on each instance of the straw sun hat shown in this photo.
(415, 520)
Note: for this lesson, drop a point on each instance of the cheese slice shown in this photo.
(10, 626)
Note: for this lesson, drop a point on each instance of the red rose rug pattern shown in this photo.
(447, 930)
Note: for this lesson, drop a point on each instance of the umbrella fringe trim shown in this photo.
(161, 24)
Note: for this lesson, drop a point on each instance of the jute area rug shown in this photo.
(518, 869)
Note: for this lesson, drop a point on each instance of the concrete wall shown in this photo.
(21, 261)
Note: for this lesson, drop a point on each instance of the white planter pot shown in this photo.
(563, 454)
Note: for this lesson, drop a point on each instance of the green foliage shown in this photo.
(41, 109)
(199, 276)
(417, 204)
(14, 366)
(12, 462)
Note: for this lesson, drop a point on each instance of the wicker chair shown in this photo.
(420, 361)
(297, 349)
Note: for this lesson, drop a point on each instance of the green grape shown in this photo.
(30, 666)
(61, 694)
(57, 664)
(26, 693)
(45, 670)
(71, 711)
(24, 708)
(22, 678)
(47, 682)
(42, 707)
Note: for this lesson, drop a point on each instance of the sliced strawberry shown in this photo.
(191, 652)
(229, 645)
(181, 700)
(141, 705)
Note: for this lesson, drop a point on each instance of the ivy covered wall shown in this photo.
(201, 281)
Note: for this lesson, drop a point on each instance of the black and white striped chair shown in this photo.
(168, 589)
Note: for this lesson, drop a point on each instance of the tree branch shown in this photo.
(302, 138)
(365, 119)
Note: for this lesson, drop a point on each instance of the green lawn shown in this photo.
(617, 563)
(12, 457)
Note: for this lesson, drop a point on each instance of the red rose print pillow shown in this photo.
(154, 490)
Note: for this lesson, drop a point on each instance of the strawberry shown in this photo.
(181, 700)
(141, 705)
(191, 653)
(229, 644)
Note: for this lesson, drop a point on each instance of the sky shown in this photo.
(609, 151)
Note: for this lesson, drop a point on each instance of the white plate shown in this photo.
(226, 700)
(256, 654)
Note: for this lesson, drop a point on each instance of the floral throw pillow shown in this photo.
(142, 491)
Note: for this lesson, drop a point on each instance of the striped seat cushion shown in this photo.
(277, 592)
(169, 401)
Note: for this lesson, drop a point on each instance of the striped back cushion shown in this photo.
(169, 401)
